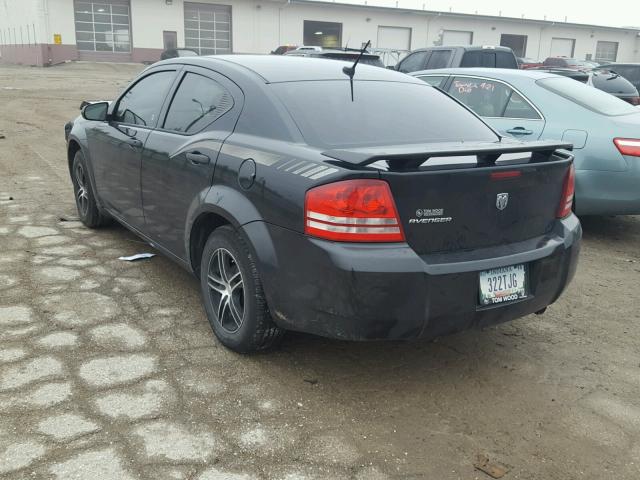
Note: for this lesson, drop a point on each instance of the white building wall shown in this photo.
(358, 24)
(149, 18)
(60, 19)
(21, 22)
(258, 26)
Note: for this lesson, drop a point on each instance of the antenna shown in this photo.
(351, 71)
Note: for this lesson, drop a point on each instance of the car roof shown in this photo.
(288, 68)
(464, 47)
(331, 51)
(503, 73)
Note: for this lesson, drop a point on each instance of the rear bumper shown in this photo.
(602, 192)
(373, 292)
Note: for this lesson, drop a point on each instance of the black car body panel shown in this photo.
(252, 165)
(389, 292)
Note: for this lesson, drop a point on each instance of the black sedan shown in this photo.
(306, 197)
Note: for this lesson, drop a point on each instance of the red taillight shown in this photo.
(633, 100)
(352, 211)
(628, 146)
(568, 189)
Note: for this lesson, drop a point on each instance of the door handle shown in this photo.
(198, 158)
(134, 143)
(519, 131)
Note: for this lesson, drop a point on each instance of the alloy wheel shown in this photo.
(226, 288)
(82, 194)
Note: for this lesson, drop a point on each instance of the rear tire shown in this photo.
(233, 296)
(86, 204)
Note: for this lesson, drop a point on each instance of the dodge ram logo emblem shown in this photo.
(502, 199)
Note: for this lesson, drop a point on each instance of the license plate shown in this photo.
(502, 285)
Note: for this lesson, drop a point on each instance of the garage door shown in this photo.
(395, 38)
(562, 47)
(456, 37)
(207, 28)
(103, 30)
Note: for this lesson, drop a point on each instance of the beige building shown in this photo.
(45, 32)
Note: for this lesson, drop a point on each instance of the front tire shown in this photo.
(233, 296)
(86, 204)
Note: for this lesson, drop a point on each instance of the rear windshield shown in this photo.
(613, 83)
(588, 97)
(489, 59)
(382, 113)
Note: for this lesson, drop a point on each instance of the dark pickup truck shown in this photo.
(454, 57)
(307, 195)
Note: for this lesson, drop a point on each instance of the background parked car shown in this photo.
(532, 105)
(348, 55)
(178, 52)
(452, 57)
(572, 63)
(282, 49)
(630, 71)
(615, 84)
(602, 79)
(525, 63)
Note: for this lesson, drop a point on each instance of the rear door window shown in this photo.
(413, 62)
(141, 104)
(198, 102)
(518, 107)
(478, 58)
(485, 97)
(492, 99)
(439, 59)
(434, 80)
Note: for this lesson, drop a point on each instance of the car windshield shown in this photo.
(382, 113)
(588, 97)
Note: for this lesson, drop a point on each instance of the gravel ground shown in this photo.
(109, 370)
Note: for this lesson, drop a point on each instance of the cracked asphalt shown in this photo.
(109, 370)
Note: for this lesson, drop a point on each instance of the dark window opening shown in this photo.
(413, 62)
(198, 102)
(323, 34)
(517, 43)
(439, 59)
(142, 102)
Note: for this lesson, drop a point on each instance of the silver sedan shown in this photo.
(530, 105)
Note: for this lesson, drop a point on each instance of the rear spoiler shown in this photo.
(402, 157)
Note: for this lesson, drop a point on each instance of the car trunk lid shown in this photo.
(456, 197)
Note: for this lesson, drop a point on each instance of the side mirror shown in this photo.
(96, 111)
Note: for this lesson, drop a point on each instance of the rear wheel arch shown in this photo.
(201, 228)
(73, 148)
(206, 222)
